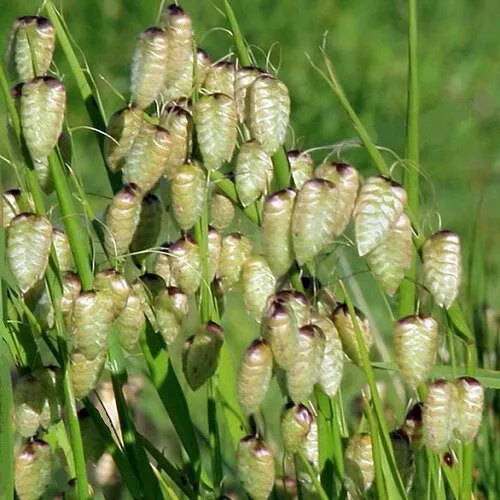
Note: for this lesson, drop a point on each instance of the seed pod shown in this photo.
(298, 304)
(295, 425)
(29, 402)
(469, 409)
(413, 425)
(149, 64)
(92, 318)
(305, 369)
(301, 166)
(215, 120)
(220, 79)
(379, 205)
(200, 354)
(85, 372)
(253, 172)
(149, 226)
(255, 375)
(258, 285)
(148, 157)
(442, 267)
(314, 219)
(12, 203)
(345, 327)
(276, 231)
(61, 245)
(221, 211)
(235, 250)
(28, 247)
(185, 264)
(359, 465)
(439, 414)
(130, 322)
(32, 470)
(113, 284)
(94, 445)
(392, 258)
(43, 174)
(245, 77)
(123, 127)
(188, 192)
(171, 308)
(415, 347)
(332, 367)
(255, 467)
(161, 264)
(43, 103)
(311, 444)
(32, 40)
(214, 251)
(404, 456)
(71, 288)
(203, 64)
(179, 70)
(121, 219)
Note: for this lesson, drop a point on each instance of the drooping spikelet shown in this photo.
(149, 226)
(235, 250)
(60, 241)
(130, 322)
(295, 425)
(113, 285)
(359, 465)
(185, 264)
(12, 203)
(171, 308)
(220, 79)
(245, 77)
(85, 372)
(258, 285)
(301, 167)
(469, 409)
(221, 211)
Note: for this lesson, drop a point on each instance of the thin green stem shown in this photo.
(214, 438)
(241, 46)
(313, 475)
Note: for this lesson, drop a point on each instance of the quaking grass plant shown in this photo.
(94, 310)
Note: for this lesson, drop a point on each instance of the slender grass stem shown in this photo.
(313, 475)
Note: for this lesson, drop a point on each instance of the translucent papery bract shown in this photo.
(29, 238)
(215, 120)
(31, 46)
(313, 220)
(11, 205)
(390, 260)
(161, 265)
(235, 250)
(253, 172)
(359, 465)
(255, 375)
(43, 102)
(71, 288)
(149, 226)
(438, 416)
(442, 267)
(295, 425)
(130, 322)
(269, 112)
(185, 264)
(469, 409)
(123, 127)
(220, 79)
(149, 64)
(171, 308)
(214, 251)
(415, 347)
(32, 470)
(277, 231)
(188, 192)
(179, 70)
(311, 444)
(29, 403)
(258, 285)
(245, 77)
(62, 247)
(301, 166)
(413, 425)
(43, 174)
(404, 456)
(85, 372)
(222, 211)
(200, 354)
(121, 220)
(332, 366)
(345, 327)
(255, 467)
(298, 304)
(203, 64)
(305, 369)
(148, 157)
(380, 204)
(113, 284)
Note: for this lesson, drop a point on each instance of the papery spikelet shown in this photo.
(113, 284)
(130, 322)
(203, 64)
(295, 425)
(255, 375)
(413, 425)
(442, 267)
(12, 205)
(220, 79)
(404, 456)
(311, 444)
(149, 226)
(147, 287)
(62, 247)
(52, 408)
(149, 64)
(29, 402)
(161, 265)
(359, 465)
(43, 174)
(326, 301)
(71, 288)
(214, 250)
(185, 264)
(258, 285)
(171, 308)
(298, 304)
(85, 372)
(221, 211)
(235, 250)
(469, 409)
(253, 172)
(301, 167)
(415, 347)
(245, 77)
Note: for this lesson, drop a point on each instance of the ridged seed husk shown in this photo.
(220, 79)
(442, 267)
(130, 322)
(255, 375)
(32, 470)
(12, 205)
(149, 64)
(221, 211)
(345, 327)
(171, 309)
(404, 456)
(121, 220)
(301, 167)
(113, 284)
(359, 465)
(188, 192)
(215, 120)
(269, 112)
(245, 77)
(235, 250)
(185, 264)
(305, 370)
(203, 64)
(71, 288)
(43, 174)
(32, 41)
(149, 226)
(200, 354)
(295, 425)
(311, 444)
(161, 265)
(277, 242)
(43, 102)
(123, 127)
(390, 260)
(380, 204)
(258, 285)
(85, 372)
(255, 467)
(253, 172)
(214, 250)
(29, 238)
(62, 247)
(298, 304)
(415, 347)
(413, 425)
(29, 404)
(469, 409)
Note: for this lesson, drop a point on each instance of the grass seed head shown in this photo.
(295, 425)
(469, 409)
(171, 308)
(113, 284)
(130, 322)
(235, 250)
(220, 78)
(222, 211)
(32, 470)
(62, 247)
(185, 264)
(359, 465)
(301, 166)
